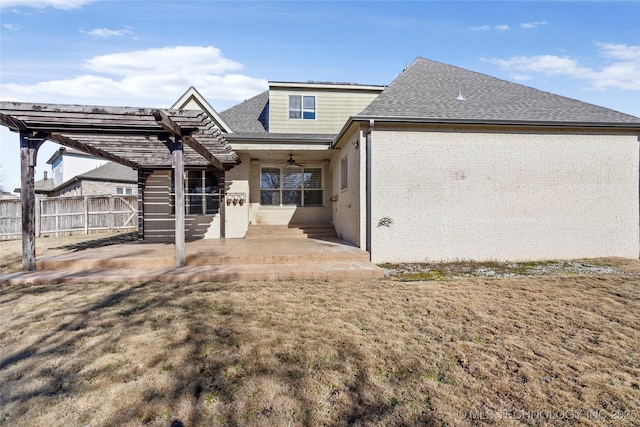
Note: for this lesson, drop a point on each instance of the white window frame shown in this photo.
(124, 191)
(302, 110)
(281, 189)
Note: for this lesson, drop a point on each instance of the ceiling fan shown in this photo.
(292, 162)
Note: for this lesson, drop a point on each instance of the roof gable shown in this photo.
(430, 90)
(193, 98)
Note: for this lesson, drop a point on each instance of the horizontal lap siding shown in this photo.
(333, 108)
(159, 223)
(447, 196)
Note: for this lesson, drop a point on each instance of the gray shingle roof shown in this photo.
(111, 172)
(44, 185)
(248, 116)
(428, 90)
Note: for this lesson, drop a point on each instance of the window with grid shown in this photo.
(201, 192)
(124, 191)
(291, 185)
(302, 107)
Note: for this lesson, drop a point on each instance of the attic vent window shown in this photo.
(302, 107)
(460, 97)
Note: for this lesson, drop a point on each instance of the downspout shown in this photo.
(368, 182)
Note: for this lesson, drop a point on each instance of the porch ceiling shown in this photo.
(136, 137)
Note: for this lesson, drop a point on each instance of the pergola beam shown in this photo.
(200, 149)
(70, 142)
(166, 123)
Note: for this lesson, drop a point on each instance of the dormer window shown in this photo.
(302, 107)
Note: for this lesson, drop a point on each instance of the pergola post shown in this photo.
(29, 145)
(222, 204)
(177, 154)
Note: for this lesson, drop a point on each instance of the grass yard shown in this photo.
(535, 350)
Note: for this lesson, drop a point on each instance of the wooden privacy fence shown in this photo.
(71, 215)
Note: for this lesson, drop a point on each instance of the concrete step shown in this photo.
(343, 271)
(275, 258)
(313, 231)
(195, 260)
(207, 260)
(204, 253)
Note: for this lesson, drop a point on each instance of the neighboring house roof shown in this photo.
(109, 172)
(44, 185)
(65, 151)
(429, 90)
(250, 116)
(7, 195)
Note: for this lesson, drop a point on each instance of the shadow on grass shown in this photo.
(101, 242)
(204, 372)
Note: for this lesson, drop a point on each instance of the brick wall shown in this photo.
(483, 195)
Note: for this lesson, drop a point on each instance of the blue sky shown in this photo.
(147, 53)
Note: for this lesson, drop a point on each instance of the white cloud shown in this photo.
(620, 51)
(147, 78)
(11, 27)
(530, 25)
(41, 4)
(104, 33)
(621, 70)
(175, 59)
(502, 27)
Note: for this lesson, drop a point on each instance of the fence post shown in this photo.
(86, 214)
(112, 207)
(56, 210)
(38, 216)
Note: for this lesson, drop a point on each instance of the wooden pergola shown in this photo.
(141, 138)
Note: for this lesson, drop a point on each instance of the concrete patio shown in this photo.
(206, 260)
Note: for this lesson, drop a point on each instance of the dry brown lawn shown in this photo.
(557, 350)
(11, 250)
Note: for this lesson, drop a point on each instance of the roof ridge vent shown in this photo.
(460, 97)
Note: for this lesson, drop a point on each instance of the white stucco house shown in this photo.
(441, 164)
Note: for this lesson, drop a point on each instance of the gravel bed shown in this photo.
(460, 270)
